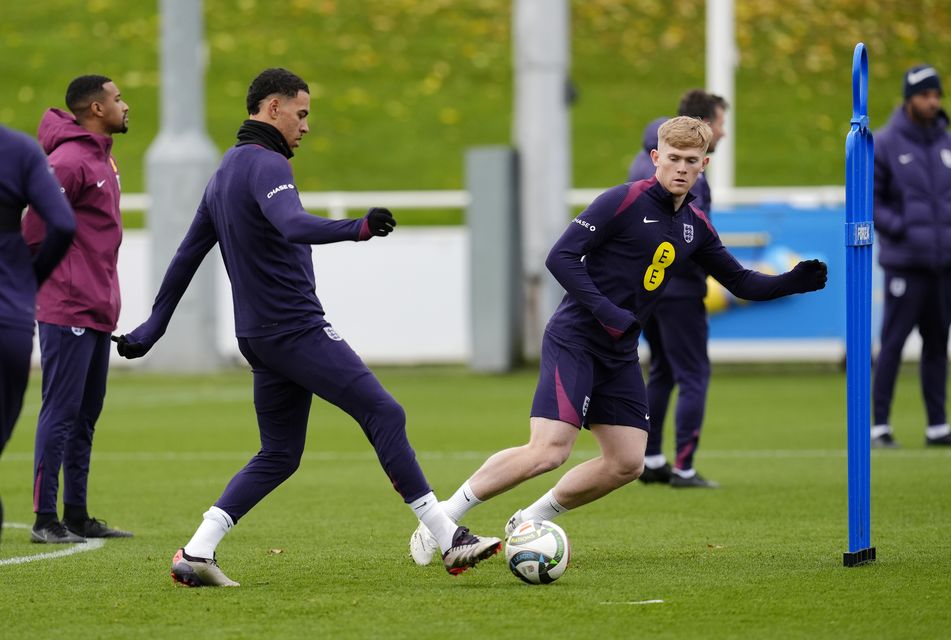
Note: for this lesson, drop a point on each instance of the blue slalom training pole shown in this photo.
(859, 148)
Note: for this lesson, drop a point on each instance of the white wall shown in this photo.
(400, 299)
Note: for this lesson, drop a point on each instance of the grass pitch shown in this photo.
(325, 555)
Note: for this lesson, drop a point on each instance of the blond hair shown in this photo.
(684, 132)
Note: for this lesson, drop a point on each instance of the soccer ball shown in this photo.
(537, 551)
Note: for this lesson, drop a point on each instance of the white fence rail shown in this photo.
(338, 203)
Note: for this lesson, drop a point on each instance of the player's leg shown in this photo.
(383, 422)
(933, 368)
(77, 449)
(64, 360)
(901, 312)
(561, 401)
(282, 408)
(548, 447)
(16, 347)
(320, 361)
(619, 421)
(621, 461)
(660, 386)
(691, 364)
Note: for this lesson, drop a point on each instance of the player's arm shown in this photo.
(199, 240)
(808, 275)
(45, 196)
(585, 233)
(887, 214)
(274, 190)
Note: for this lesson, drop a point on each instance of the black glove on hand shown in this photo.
(811, 274)
(128, 349)
(380, 221)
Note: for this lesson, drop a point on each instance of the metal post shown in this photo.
(859, 148)
(542, 137)
(178, 164)
(495, 286)
(721, 64)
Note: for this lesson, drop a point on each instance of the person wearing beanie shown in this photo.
(912, 213)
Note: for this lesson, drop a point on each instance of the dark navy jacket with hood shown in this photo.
(913, 193)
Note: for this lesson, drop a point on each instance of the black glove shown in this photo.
(811, 275)
(380, 221)
(128, 349)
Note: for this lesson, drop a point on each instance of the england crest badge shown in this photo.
(688, 233)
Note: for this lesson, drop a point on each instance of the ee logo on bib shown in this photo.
(663, 258)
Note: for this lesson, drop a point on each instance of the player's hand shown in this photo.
(812, 274)
(380, 221)
(128, 349)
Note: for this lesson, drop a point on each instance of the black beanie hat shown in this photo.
(921, 78)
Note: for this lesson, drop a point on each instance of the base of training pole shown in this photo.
(862, 556)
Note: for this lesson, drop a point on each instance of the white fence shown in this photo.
(338, 203)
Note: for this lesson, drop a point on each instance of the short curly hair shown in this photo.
(273, 81)
(83, 91)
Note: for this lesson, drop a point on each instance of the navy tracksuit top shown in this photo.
(615, 260)
(913, 193)
(25, 177)
(252, 209)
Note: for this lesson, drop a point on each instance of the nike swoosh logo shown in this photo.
(99, 183)
(464, 495)
(905, 158)
(918, 76)
(648, 220)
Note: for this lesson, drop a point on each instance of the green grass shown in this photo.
(402, 88)
(760, 557)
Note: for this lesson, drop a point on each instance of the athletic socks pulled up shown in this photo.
(215, 524)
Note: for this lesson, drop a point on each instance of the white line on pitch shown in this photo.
(80, 547)
(636, 602)
(368, 455)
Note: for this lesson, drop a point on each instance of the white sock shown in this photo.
(213, 527)
(431, 513)
(685, 473)
(655, 462)
(545, 508)
(938, 430)
(460, 502)
(881, 429)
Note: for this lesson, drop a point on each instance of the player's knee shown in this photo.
(550, 456)
(627, 469)
(389, 410)
(289, 461)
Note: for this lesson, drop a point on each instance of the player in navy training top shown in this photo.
(251, 208)
(25, 178)
(614, 261)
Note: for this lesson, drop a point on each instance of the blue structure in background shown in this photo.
(791, 234)
(858, 255)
